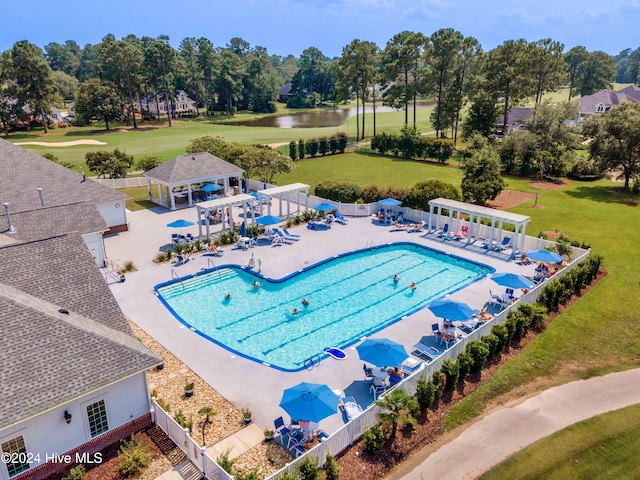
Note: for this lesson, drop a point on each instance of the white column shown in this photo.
(189, 195)
(173, 199)
(470, 231)
(199, 210)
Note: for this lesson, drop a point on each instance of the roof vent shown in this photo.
(39, 189)
(64, 310)
(193, 158)
(11, 229)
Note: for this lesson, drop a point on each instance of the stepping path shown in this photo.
(506, 431)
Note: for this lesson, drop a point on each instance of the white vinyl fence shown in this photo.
(195, 453)
(353, 430)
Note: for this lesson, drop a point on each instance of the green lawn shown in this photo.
(602, 447)
(158, 139)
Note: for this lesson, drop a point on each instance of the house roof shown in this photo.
(608, 98)
(22, 172)
(633, 92)
(48, 357)
(47, 222)
(516, 115)
(192, 168)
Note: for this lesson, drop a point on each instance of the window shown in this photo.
(97, 413)
(17, 458)
(600, 108)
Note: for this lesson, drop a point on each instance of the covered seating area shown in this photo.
(179, 179)
(223, 207)
(286, 192)
(494, 236)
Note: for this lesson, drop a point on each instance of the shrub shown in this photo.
(425, 392)
(338, 192)
(331, 468)
(311, 147)
(148, 162)
(309, 469)
(181, 419)
(128, 266)
(301, 149)
(252, 475)
(493, 344)
(76, 473)
(479, 353)
(225, 463)
(465, 362)
(323, 145)
(440, 381)
(452, 371)
(134, 457)
(502, 334)
(373, 439)
(535, 313)
(293, 151)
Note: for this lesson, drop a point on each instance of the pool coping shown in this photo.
(319, 357)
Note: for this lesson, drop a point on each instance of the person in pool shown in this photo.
(413, 286)
(294, 311)
(396, 278)
(305, 302)
(227, 296)
(256, 284)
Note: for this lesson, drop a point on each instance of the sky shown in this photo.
(290, 26)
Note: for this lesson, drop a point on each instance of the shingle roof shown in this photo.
(54, 221)
(608, 98)
(22, 172)
(193, 167)
(48, 357)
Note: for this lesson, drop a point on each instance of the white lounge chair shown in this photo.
(350, 407)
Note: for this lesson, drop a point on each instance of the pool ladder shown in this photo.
(175, 276)
(212, 265)
(371, 244)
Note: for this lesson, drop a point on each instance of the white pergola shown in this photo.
(476, 213)
(284, 193)
(205, 209)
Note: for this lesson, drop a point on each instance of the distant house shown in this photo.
(604, 100)
(516, 119)
(285, 92)
(43, 199)
(156, 105)
(72, 373)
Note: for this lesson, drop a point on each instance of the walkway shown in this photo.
(506, 431)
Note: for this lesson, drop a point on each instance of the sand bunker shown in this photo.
(63, 144)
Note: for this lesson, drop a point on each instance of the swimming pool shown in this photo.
(350, 296)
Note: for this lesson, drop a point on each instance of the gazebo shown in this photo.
(177, 177)
(476, 213)
(285, 192)
(225, 204)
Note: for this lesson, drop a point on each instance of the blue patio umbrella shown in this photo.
(324, 207)
(511, 280)
(255, 195)
(451, 309)
(268, 220)
(180, 224)
(243, 229)
(381, 352)
(309, 401)
(389, 202)
(545, 256)
(211, 187)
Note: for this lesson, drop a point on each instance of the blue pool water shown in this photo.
(349, 296)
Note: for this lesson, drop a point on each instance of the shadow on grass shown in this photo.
(605, 193)
(373, 154)
(134, 205)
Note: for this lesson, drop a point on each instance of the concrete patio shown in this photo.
(245, 383)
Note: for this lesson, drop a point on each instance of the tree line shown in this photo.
(109, 79)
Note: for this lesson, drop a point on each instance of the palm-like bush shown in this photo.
(397, 406)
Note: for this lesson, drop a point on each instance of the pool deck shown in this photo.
(245, 383)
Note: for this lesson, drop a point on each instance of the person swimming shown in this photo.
(413, 286)
(396, 278)
(305, 302)
(294, 311)
(256, 284)
(227, 296)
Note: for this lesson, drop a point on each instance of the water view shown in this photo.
(314, 118)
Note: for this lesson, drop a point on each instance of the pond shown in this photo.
(314, 118)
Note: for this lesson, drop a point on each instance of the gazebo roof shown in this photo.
(193, 168)
(226, 202)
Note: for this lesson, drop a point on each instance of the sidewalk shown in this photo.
(506, 431)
